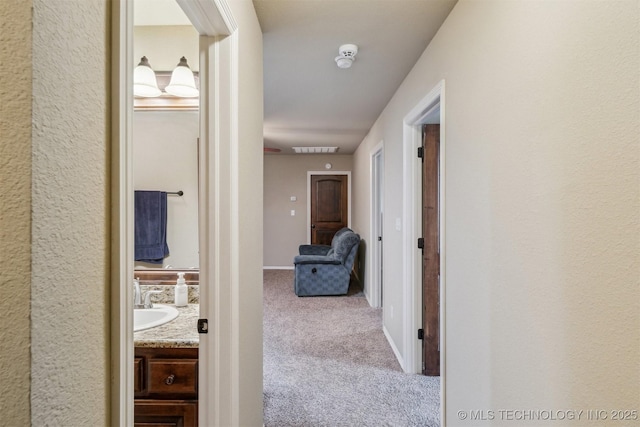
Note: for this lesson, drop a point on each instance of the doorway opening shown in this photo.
(215, 26)
(431, 109)
(430, 245)
(374, 292)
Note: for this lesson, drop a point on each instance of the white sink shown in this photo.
(145, 318)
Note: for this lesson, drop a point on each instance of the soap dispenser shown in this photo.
(181, 291)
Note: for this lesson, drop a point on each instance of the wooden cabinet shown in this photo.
(166, 387)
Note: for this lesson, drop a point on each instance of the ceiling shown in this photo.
(158, 12)
(308, 100)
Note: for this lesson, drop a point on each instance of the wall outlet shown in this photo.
(293, 212)
(293, 198)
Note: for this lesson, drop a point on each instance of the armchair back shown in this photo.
(342, 248)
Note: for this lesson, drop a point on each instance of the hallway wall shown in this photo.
(542, 198)
(245, 223)
(70, 369)
(286, 176)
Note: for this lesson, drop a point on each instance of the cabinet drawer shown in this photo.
(172, 377)
(165, 413)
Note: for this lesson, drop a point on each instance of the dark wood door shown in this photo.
(329, 207)
(431, 251)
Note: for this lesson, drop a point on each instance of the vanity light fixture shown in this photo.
(144, 80)
(182, 82)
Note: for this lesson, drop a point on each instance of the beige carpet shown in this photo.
(328, 363)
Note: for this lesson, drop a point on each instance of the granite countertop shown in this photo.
(182, 332)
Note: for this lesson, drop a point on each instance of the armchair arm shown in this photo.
(313, 249)
(315, 259)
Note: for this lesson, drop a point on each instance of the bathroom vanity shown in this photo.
(166, 372)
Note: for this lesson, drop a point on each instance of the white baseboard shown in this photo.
(394, 348)
(367, 295)
(275, 267)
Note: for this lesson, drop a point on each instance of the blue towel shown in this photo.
(151, 226)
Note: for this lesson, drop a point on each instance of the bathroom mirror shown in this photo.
(165, 141)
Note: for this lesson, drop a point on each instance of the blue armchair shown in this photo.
(326, 270)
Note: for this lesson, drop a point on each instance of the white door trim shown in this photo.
(309, 173)
(209, 17)
(412, 271)
(218, 370)
(122, 258)
(217, 381)
(373, 291)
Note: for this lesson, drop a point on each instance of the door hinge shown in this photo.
(420, 334)
(379, 238)
(203, 326)
(421, 153)
(421, 243)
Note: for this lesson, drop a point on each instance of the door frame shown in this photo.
(412, 212)
(373, 292)
(218, 116)
(309, 174)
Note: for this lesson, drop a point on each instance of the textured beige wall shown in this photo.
(542, 204)
(286, 176)
(70, 232)
(15, 209)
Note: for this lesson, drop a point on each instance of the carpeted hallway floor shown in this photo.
(328, 363)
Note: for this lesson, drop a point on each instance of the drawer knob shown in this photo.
(170, 379)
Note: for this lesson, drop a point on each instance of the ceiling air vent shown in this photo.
(315, 150)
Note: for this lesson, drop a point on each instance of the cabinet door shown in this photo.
(165, 413)
(138, 378)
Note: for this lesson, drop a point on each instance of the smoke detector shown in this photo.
(347, 55)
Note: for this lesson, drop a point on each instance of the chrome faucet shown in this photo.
(147, 298)
(137, 295)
